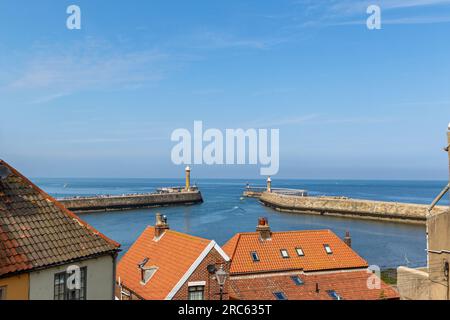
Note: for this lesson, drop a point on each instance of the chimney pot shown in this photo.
(161, 225)
(263, 228)
(348, 239)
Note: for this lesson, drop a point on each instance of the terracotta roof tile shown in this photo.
(312, 243)
(173, 254)
(37, 231)
(350, 285)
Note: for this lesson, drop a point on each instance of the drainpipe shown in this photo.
(433, 204)
(114, 257)
(447, 263)
(438, 198)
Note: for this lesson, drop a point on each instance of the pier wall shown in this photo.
(125, 202)
(355, 208)
(252, 194)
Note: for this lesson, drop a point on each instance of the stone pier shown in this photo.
(351, 208)
(126, 202)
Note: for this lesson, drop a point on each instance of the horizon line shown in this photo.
(262, 179)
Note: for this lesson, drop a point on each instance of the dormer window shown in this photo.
(284, 253)
(327, 249)
(300, 252)
(146, 272)
(254, 256)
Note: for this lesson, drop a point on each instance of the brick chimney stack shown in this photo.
(161, 225)
(348, 239)
(264, 229)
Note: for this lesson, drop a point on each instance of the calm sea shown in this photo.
(224, 213)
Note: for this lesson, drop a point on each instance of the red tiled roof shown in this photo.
(37, 231)
(349, 285)
(173, 254)
(315, 258)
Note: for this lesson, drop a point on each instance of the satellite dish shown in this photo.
(4, 172)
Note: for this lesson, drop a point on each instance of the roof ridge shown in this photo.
(236, 246)
(288, 231)
(186, 235)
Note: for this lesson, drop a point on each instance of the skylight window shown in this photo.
(255, 256)
(333, 294)
(300, 252)
(297, 280)
(284, 253)
(327, 249)
(280, 295)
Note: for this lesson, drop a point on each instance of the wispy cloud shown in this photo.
(316, 119)
(56, 72)
(403, 21)
(108, 140)
(347, 12)
(274, 91)
(221, 40)
(48, 98)
(294, 120)
(207, 92)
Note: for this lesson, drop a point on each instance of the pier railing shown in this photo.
(290, 192)
(284, 191)
(175, 189)
(106, 196)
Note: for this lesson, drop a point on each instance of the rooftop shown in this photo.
(350, 285)
(315, 250)
(173, 255)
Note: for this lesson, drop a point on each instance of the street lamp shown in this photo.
(221, 277)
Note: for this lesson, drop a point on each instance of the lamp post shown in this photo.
(221, 277)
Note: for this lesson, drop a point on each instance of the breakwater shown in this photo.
(256, 192)
(347, 207)
(132, 201)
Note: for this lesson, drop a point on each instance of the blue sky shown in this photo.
(102, 101)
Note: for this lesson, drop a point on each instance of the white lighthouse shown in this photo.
(188, 178)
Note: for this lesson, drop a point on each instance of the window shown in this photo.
(196, 293)
(62, 290)
(280, 295)
(300, 252)
(297, 280)
(333, 294)
(3, 293)
(255, 257)
(284, 253)
(327, 249)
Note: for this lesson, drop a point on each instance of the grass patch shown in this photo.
(389, 276)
